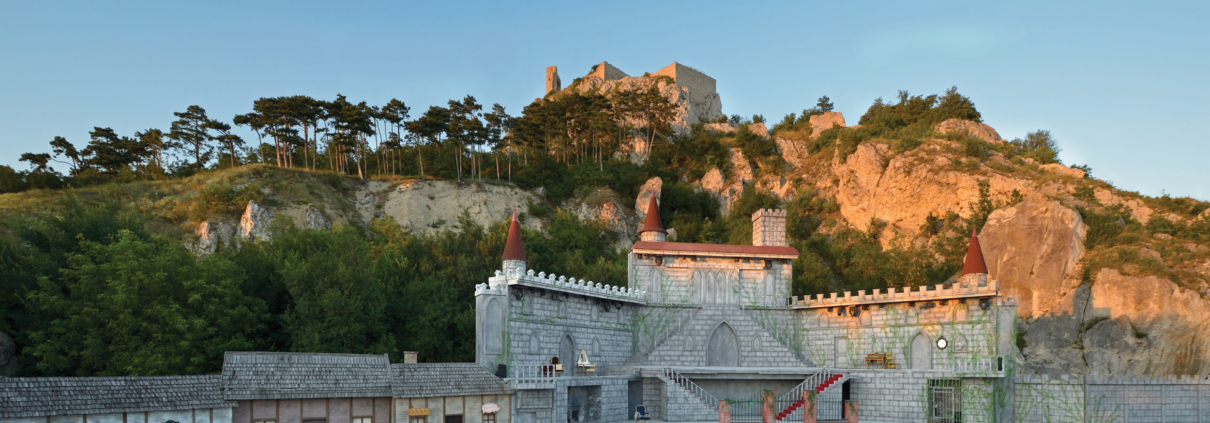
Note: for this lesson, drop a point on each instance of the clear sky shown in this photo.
(1124, 87)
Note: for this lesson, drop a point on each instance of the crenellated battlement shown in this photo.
(903, 295)
(564, 284)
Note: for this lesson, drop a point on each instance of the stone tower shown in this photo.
(552, 79)
(769, 228)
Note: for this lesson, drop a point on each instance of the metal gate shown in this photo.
(945, 400)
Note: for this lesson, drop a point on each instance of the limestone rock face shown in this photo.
(1138, 210)
(792, 151)
(426, 206)
(902, 191)
(1033, 249)
(758, 128)
(653, 187)
(211, 235)
(973, 128)
(314, 219)
(1164, 321)
(604, 205)
(824, 122)
(254, 224)
(713, 181)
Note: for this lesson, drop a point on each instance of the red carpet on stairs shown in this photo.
(789, 410)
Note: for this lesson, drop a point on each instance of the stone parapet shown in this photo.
(574, 286)
(907, 294)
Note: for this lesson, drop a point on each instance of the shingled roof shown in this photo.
(58, 396)
(268, 375)
(444, 379)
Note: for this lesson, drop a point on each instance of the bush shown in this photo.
(1038, 145)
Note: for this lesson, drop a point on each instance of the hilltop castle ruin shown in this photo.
(692, 92)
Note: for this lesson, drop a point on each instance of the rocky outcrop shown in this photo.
(689, 107)
(1062, 170)
(254, 224)
(211, 235)
(314, 219)
(902, 190)
(426, 206)
(793, 151)
(825, 121)
(1151, 322)
(603, 205)
(1034, 249)
(653, 187)
(975, 129)
(758, 128)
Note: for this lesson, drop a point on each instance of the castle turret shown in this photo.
(974, 269)
(514, 250)
(769, 228)
(653, 228)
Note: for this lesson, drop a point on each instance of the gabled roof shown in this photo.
(57, 396)
(420, 380)
(513, 248)
(974, 258)
(714, 250)
(268, 375)
(653, 223)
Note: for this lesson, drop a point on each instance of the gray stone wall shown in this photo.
(680, 405)
(612, 398)
(888, 395)
(1113, 399)
(678, 280)
(538, 326)
(975, 337)
(653, 397)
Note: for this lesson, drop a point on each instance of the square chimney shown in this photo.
(769, 228)
(409, 357)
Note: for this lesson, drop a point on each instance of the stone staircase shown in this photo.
(682, 319)
(685, 401)
(687, 346)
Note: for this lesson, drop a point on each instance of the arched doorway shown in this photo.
(723, 349)
(567, 352)
(922, 352)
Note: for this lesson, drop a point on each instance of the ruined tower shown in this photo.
(552, 79)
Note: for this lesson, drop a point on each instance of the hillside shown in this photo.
(1109, 280)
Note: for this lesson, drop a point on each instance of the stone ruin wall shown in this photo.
(699, 84)
(552, 80)
(607, 72)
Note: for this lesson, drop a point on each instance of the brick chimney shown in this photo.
(409, 357)
(769, 228)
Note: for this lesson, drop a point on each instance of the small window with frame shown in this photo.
(363, 420)
(489, 417)
(315, 421)
(418, 419)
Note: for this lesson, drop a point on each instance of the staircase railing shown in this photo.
(789, 405)
(680, 380)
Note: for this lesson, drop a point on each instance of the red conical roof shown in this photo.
(513, 249)
(974, 258)
(653, 218)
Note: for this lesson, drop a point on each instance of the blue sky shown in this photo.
(1124, 87)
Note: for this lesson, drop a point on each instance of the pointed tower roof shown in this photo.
(653, 224)
(513, 248)
(974, 258)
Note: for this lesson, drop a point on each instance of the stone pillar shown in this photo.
(724, 411)
(808, 406)
(850, 411)
(767, 400)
